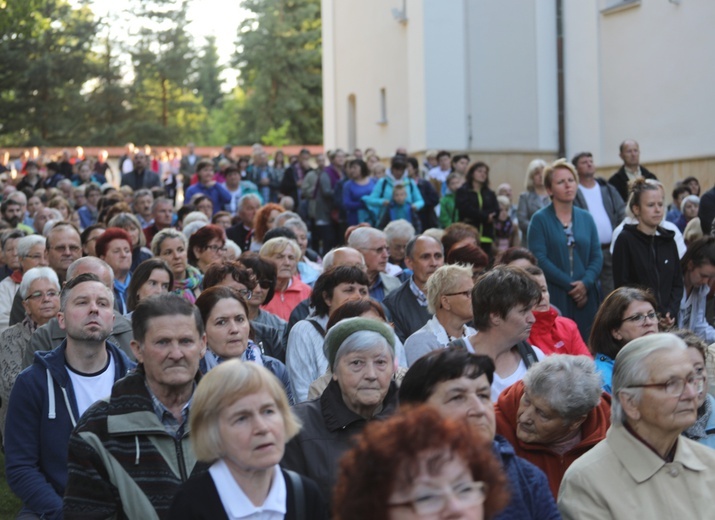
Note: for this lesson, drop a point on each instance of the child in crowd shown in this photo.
(398, 208)
(448, 213)
(506, 234)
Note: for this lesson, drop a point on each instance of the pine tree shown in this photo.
(279, 59)
(208, 81)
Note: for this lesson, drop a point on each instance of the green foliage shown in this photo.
(277, 136)
(208, 81)
(279, 58)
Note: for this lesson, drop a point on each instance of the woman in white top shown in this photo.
(240, 422)
(449, 299)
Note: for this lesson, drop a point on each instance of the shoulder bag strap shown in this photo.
(298, 494)
(527, 353)
(317, 327)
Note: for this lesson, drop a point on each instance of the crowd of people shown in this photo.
(348, 337)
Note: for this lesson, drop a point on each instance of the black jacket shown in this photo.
(138, 180)
(620, 180)
(328, 427)
(198, 499)
(471, 212)
(650, 261)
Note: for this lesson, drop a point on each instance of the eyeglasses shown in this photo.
(466, 493)
(246, 293)
(639, 319)
(378, 250)
(216, 248)
(35, 257)
(467, 293)
(39, 295)
(265, 284)
(676, 385)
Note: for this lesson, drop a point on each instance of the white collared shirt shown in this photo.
(236, 503)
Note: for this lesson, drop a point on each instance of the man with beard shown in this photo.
(49, 397)
(13, 213)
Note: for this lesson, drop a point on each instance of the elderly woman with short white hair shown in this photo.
(645, 468)
(40, 294)
(290, 290)
(240, 421)
(361, 355)
(555, 414)
(398, 233)
(449, 299)
(308, 269)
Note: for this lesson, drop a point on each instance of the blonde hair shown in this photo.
(444, 281)
(278, 245)
(531, 171)
(220, 388)
(559, 163)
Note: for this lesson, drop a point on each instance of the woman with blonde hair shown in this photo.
(290, 290)
(240, 422)
(534, 198)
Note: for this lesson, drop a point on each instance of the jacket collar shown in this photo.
(338, 416)
(640, 461)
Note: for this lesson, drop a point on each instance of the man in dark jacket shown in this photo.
(407, 305)
(458, 383)
(129, 454)
(141, 176)
(48, 398)
(630, 153)
(605, 205)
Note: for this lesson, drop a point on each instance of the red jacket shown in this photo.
(593, 431)
(284, 302)
(555, 334)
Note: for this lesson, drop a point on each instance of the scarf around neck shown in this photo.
(186, 287)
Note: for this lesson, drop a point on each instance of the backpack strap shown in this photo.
(317, 327)
(298, 494)
(526, 351)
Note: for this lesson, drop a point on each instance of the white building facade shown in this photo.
(511, 80)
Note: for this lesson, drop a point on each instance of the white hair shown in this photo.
(26, 243)
(37, 273)
(194, 216)
(193, 227)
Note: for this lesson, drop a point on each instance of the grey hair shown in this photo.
(630, 368)
(361, 341)
(18, 195)
(195, 216)
(11, 234)
(233, 246)
(399, 228)
(295, 223)
(50, 225)
(246, 198)
(445, 280)
(163, 235)
(161, 200)
(329, 258)
(283, 218)
(144, 192)
(530, 171)
(96, 264)
(193, 227)
(570, 384)
(37, 273)
(277, 245)
(410, 248)
(124, 220)
(361, 237)
(26, 243)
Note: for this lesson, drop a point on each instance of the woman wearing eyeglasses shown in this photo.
(264, 272)
(449, 299)
(565, 241)
(40, 293)
(419, 465)
(626, 314)
(206, 246)
(229, 334)
(703, 430)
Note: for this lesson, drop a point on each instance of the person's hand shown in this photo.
(666, 322)
(578, 293)
(385, 202)
(414, 206)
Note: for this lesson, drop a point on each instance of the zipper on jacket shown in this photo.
(180, 459)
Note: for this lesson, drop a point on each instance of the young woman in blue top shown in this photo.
(626, 314)
(359, 186)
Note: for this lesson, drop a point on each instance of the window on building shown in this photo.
(383, 107)
(352, 122)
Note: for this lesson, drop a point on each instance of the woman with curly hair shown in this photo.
(419, 464)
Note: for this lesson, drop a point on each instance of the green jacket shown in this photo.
(448, 213)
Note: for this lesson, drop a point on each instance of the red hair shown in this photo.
(390, 452)
(201, 238)
(110, 234)
(260, 225)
